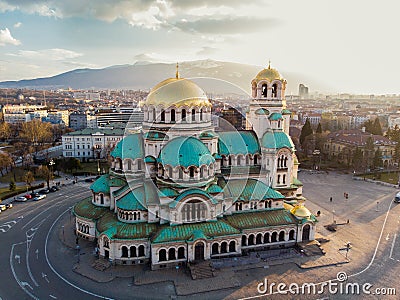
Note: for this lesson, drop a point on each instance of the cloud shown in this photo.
(225, 25)
(17, 25)
(47, 54)
(206, 51)
(6, 38)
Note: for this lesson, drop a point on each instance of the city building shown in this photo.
(91, 143)
(178, 191)
(80, 120)
(125, 115)
(303, 91)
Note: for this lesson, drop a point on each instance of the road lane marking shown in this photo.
(45, 277)
(51, 296)
(23, 283)
(391, 249)
(387, 237)
(54, 270)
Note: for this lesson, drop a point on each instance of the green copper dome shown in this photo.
(185, 151)
(131, 146)
(275, 117)
(276, 140)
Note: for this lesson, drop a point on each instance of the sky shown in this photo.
(349, 45)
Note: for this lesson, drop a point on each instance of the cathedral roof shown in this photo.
(103, 183)
(250, 189)
(130, 146)
(276, 140)
(300, 211)
(262, 111)
(177, 92)
(86, 209)
(185, 151)
(238, 142)
(275, 117)
(269, 74)
(134, 200)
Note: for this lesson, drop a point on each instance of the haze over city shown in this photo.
(347, 46)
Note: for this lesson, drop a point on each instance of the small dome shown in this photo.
(300, 211)
(262, 111)
(130, 146)
(185, 151)
(177, 92)
(269, 74)
(275, 117)
(276, 140)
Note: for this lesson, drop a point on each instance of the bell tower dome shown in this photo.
(267, 103)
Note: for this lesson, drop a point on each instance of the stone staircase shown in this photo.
(201, 270)
(101, 264)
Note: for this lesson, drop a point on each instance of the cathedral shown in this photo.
(179, 191)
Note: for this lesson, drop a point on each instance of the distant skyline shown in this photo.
(350, 46)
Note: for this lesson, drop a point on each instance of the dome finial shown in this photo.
(269, 64)
(177, 71)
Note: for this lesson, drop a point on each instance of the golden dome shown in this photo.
(269, 74)
(300, 211)
(287, 206)
(177, 92)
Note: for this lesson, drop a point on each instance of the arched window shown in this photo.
(255, 159)
(183, 115)
(244, 240)
(266, 237)
(201, 172)
(193, 115)
(232, 246)
(141, 251)
(279, 123)
(201, 114)
(282, 236)
(163, 116)
(129, 163)
(101, 199)
(291, 234)
(214, 249)
(279, 162)
(169, 172)
(284, 178)
(173, 115)
(230, 160)
(274, 90)
(191, 172)
(224, 247)
(139, 164)
(279, 179)
(259, 239)
(251, 239)
(238, 160)
(193, 211)
(238, 206)
(247, 160)
(180, 171)
(181, 252)
(264, 90)
(286, 159)
(274, 237)
(106, 243)
(171, 254)
(133, 251)
(162, 255)
(154, 114)
(124, 251)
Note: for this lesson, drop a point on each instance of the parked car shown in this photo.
(44, 191)
(34, 194)
(40, 197)
(28, 196)
(2, 207)
(54, 189)
(89, 180)
(22, 198)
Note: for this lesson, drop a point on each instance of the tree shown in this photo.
(45, 172)
(369, 151)
(12, 185)
(377, 161)
(29, 179)
(319, 128)
(36, 133)
(5, 131)
(357, 159)
(377, 128)
(369, 126)
(5, 162)
(306, 131)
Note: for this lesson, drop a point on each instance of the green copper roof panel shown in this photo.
(297, 182)
(214, 188)
(262, 111)
(275, 117)
(131, 146)
(190, 232)
(185, 151)
(134, 200)
(151, 192)
(238, 142)
(116, 181)
(286, 112)
(192, 192)
(115, 229)
(101, 185)
(121, 190)
(167, 192)
(155, 136)
(276, 140)
(86, 209)
(150, 159)
(259, 219)
(250, 189)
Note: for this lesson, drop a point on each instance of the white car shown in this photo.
(21, 199)
(40, 197)
(3, 207)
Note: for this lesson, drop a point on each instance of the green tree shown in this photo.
(377, 161)
(369, 126)
(12, 185)
(357, 159)
(36, 133)
(306, 131)
(5, 162)
(377, 128)
(29, 179)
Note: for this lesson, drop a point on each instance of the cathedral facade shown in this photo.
(178, 191)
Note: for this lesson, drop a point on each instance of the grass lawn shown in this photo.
(389, 177)
(4, 192)
(19, 175)
(91, 167)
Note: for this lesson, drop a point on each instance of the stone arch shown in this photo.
(171, 254)
(266, 238)
(274, 237)
(124, 251)
(215, 249)
(224, 247)
(132, 251)
(244, 240)
(141, 251)
(162, 255)
(282, 236)
(232, 246)
(251, 240)
(291, 234)
(181, 252)
(259, 238)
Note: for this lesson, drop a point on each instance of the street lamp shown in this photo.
(333, 216)
(377, 205)
(51, 164)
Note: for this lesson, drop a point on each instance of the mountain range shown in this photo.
(213, 76)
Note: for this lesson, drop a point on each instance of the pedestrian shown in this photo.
(318, 213)
(330, 199)
(348, 221)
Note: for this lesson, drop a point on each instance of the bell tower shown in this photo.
(267, 109)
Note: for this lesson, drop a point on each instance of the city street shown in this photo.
(40, 265)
